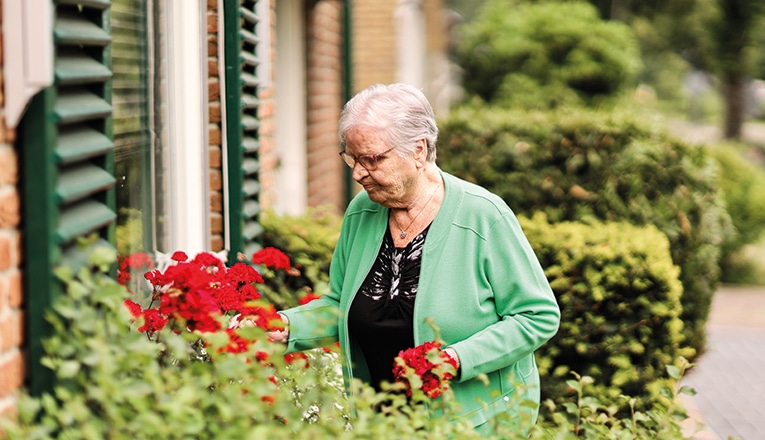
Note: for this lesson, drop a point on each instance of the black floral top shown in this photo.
(381, 316)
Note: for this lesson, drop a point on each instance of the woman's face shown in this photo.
(391, 183)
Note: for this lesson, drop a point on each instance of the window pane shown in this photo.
(136, 93)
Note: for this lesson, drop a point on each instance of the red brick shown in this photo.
(10, 331)
(215, 156)
(212, 23)
(213, 90)
(216, 202)
(11, 373)
(10, 206)
(216, 243)
(8, 166)
(212, 67)
(214, 134)
(5, 251)
(216, 183)
(15, 297)
(216, 223)
(214, 111)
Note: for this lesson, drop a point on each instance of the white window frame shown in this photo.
(291, 131)
(189, 215)
(28, 53)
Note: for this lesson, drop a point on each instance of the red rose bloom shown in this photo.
(434, 375)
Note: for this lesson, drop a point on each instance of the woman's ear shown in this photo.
(421, 152)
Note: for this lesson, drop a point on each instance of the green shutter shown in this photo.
(68, 163)
(242, 124)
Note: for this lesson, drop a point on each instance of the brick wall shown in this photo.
(267, 131)
(217, 242)
(325, 99)
(11, 299)
(374, 43)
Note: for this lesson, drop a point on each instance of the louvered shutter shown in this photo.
(242, 124)
(68, 163)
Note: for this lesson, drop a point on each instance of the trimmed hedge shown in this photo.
(620, 306)
(586, 166)
(619, 295)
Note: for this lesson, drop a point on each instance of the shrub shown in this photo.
(114, 382)
(546, 54)
(743, 185)
(619, 297)
(309, 240)
(581, 166)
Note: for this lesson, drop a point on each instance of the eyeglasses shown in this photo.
(368, 161)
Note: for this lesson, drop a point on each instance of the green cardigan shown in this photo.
(480, 283)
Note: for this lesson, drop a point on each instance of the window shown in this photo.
(160, 130)
(116, 147)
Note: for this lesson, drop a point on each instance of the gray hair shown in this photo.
(400, 112)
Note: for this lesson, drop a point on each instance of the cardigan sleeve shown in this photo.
(528, 314)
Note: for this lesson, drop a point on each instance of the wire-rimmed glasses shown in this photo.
(368, 161)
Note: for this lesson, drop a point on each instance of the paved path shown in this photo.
(730, 376)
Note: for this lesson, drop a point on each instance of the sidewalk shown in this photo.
(730, 377)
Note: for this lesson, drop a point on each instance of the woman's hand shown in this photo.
(281, 335)
(453, 354)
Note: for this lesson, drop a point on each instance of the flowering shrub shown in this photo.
(425, 368)
(199, 295)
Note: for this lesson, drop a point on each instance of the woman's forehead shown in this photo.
(364, 138)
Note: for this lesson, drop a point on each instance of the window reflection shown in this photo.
(138, 92)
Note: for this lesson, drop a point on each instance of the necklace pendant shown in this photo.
(402, 235)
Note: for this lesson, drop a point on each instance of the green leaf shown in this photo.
(68, 369)
(64, 273)
(102, 257)
(674, 372)
(687, 390)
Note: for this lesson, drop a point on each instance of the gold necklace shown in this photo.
(403, 230)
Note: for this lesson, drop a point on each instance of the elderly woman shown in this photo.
(419, 243)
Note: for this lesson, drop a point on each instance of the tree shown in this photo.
(718, 36)
(544, 55)
(734, 34)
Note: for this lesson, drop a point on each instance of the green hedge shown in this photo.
(619, 297)
(617, 287)
(743, 184)
(112, 382)
(309, 240)
(584, 166)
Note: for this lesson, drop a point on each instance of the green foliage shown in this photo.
(588, 417)
(113, 382)
(743, 185)
(582, 166)
(545, 54)
(619, 297)
(309, 240)
(129, 231)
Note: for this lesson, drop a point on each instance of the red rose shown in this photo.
(433, 367)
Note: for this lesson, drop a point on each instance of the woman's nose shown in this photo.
(358, 172)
